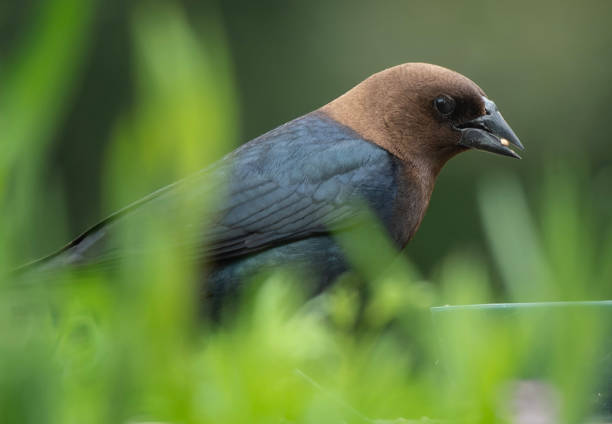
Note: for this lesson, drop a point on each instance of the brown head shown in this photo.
(423, 114)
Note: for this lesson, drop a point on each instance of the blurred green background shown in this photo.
(103, 102)
(546, 64)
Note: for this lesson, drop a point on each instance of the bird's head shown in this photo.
(422, 112)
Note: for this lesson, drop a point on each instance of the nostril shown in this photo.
(489, 106)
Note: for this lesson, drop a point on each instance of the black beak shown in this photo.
(490, 132)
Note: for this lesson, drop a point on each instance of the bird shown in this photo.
(379, 147)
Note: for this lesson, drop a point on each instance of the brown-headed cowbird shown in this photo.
(381, 145)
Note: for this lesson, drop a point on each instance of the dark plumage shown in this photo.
(382, 144)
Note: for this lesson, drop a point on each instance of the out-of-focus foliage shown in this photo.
(185, 112)
(35, 84)
(130, 348)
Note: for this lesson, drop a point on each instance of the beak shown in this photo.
(490, 132)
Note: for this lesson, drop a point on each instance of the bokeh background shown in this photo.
(102, 102)
(546, 64)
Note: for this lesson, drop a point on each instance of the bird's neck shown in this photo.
(361, 110)
(415, 183)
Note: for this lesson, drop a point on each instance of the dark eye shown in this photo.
(444, 104)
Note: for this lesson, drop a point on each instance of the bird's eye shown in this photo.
(444, 104)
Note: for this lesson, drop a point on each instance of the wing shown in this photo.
(303, 178)
(306, 177)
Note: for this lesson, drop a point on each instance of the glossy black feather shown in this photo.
(301, 179)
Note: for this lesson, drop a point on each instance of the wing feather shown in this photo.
(303, 178)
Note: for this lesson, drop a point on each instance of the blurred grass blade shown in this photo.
(34, 88)
(36, 83)
(568, 232)
(513, 238)
(185, 112)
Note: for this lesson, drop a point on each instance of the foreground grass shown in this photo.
(131, 348)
